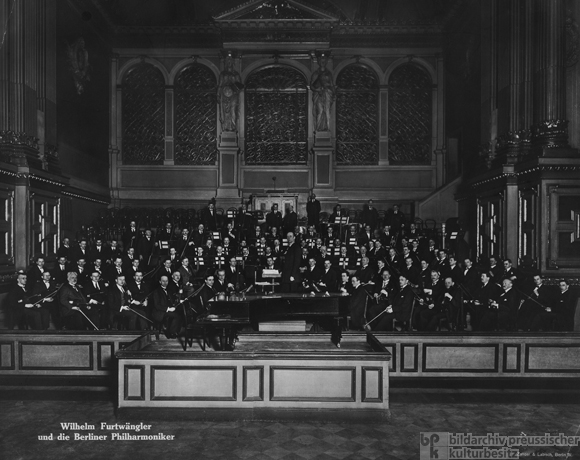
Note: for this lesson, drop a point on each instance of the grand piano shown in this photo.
(231, 314)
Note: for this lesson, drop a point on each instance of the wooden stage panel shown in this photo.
(552, 358)
(196, 383)
(6, 356)
(265, 372)
(78, 356)
(312, 384)
(460, 358)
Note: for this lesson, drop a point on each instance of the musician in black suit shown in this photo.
(507, 307)
(44, 292)
(290, 220)
(61, 269)
(80, 252)
(313, 210)
(328, 278)
(119, 301)
(164, 310)
(97, 251)
(495, 270)
(95, 294)
(235, 278)
(220, 284)
(207, 292)
(146, 246)
(131, 236)
(337, 215)
(535, 304)
(365, 273)
(370, 215)
(82, 271)
(35, 272)
(65, 250)
(166, 234)
(487, 293)
(274, 218)
(139, 293)
(20, 309)
(72, 303)
(291, 269)
(400, 308)
(209, 217)
(563, 308)
(357, 305)
(311, 276)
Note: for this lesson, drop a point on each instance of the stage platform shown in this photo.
(266, 373)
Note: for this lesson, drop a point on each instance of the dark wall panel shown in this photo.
(169, 179)
(383, 179)
(284, 179)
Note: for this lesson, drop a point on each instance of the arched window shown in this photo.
(276, 108)
(195, 116)
(357, 141)
(410, 89)
(143, 116)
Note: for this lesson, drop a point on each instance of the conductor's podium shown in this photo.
(268, 375)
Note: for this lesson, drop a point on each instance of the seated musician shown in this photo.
(334, 248)
(365, 273)
(337, 215)
(199, 262)
(235, 277)
(164, 310)
(184, 245)
(329, 237)
(277, 250)
(173, 257)
(399, 308)
(366, 235)
(352, 239)
(199, 236)
(431, 302)
(444, 308)
(206, 293)
(345, 286)
(311, 277)
(380, 267)
(94, 291)
(328, 281)
(357, 305)
(187, 276)
(175, 285)
(119, 300)
(322, 256)
(344, 260)
(20, 309)
(410, 271)
(378, 251)
(74, 306)
(165, 270)
(560, 314)
(43, 293)
(507, 307)
(485, 295)
(247, 258)
(393, 260)
(304, 260)
(220, 285)
(139, 294)
(209, 250)
(273, 235)
(220, 258)
(230, 234)
(385, 288)
(229, 247)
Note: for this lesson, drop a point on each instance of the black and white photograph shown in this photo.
(289, 229)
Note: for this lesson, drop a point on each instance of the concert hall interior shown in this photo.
(334, 218)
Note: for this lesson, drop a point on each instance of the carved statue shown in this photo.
(230, 85)
(323, 95)
(78, 58)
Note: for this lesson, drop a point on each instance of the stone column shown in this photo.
(550, 128)
(169, 138)
(384, 124)
(114, 131)
(323, 149)
(228, 192)
(511, 223)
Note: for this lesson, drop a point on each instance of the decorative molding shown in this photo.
(86, 198)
